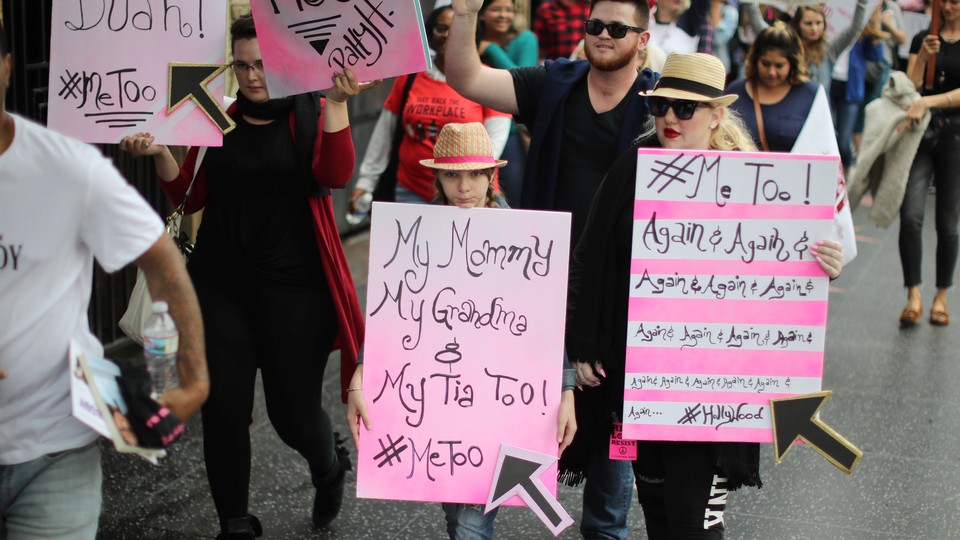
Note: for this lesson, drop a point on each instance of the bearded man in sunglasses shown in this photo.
(582, 115)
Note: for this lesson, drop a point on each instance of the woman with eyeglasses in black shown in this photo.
(682, 486)
(269, 270)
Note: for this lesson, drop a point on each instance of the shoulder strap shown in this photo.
(759, 114)
(406, 90)
(398, 134)
(306, 110)
(387, 184)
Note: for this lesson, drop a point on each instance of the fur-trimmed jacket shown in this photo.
(886, 152)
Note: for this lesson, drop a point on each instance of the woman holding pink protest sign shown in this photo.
(681, 486)
(271, 276)
(464, 168)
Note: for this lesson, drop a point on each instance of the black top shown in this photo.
(257, 221)
(947, 76)
(782, 121)
(589, 142)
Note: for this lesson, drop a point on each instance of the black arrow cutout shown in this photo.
(795, 418)
(518, 473)
(189, 81)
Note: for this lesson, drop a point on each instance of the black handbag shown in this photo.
(932, 133)
(386, 189)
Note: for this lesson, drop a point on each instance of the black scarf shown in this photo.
(271, 109)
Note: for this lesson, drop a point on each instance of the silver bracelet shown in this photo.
(354, 389)
(949, 100)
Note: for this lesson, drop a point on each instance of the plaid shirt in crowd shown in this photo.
(559, 27)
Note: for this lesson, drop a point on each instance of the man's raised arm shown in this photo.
(487, 86)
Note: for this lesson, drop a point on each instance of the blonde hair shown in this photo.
(490, 201)
(778, 37)
(730, 134)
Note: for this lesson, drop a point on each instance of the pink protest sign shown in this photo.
(464, 347)
(727, 306)
(305, 42)
(109, 66)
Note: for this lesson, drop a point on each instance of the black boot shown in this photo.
(245, 528)
(329, 497)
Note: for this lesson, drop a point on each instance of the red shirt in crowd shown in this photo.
(559, 26)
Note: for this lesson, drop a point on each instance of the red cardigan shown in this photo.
(332, 167)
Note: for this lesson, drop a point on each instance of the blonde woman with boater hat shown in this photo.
(682, 486)
(465, 168)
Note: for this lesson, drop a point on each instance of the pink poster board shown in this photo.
(109, 68)
(464, 346)
(305, 42)
(727, 306)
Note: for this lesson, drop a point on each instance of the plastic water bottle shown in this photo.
(361, 209)
(161, 340)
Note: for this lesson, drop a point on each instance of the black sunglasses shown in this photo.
(595, 27)
(683, 108)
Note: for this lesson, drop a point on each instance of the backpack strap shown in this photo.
(306, 111)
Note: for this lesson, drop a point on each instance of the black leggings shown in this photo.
(936, 160)
(681, 489)
(288, 336)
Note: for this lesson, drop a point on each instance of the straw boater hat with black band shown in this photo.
(463, 147)
(696, 77)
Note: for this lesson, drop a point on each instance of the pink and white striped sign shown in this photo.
(727, 306)
(463, 348)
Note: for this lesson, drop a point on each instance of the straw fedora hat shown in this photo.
(696, 77)
(463, 147)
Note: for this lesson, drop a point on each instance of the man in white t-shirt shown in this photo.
(62, 204)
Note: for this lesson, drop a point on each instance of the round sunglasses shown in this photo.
(683, 108)
(595, 27)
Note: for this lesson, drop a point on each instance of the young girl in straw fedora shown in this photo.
(466, 170)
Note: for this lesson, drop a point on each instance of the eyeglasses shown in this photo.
(245, 67)
(683, 108)
(595, 27)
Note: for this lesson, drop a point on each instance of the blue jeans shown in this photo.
(845, 121)
(468, 522)
(607, 497)
(511, 175)
(408, 197)
(55, 497)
